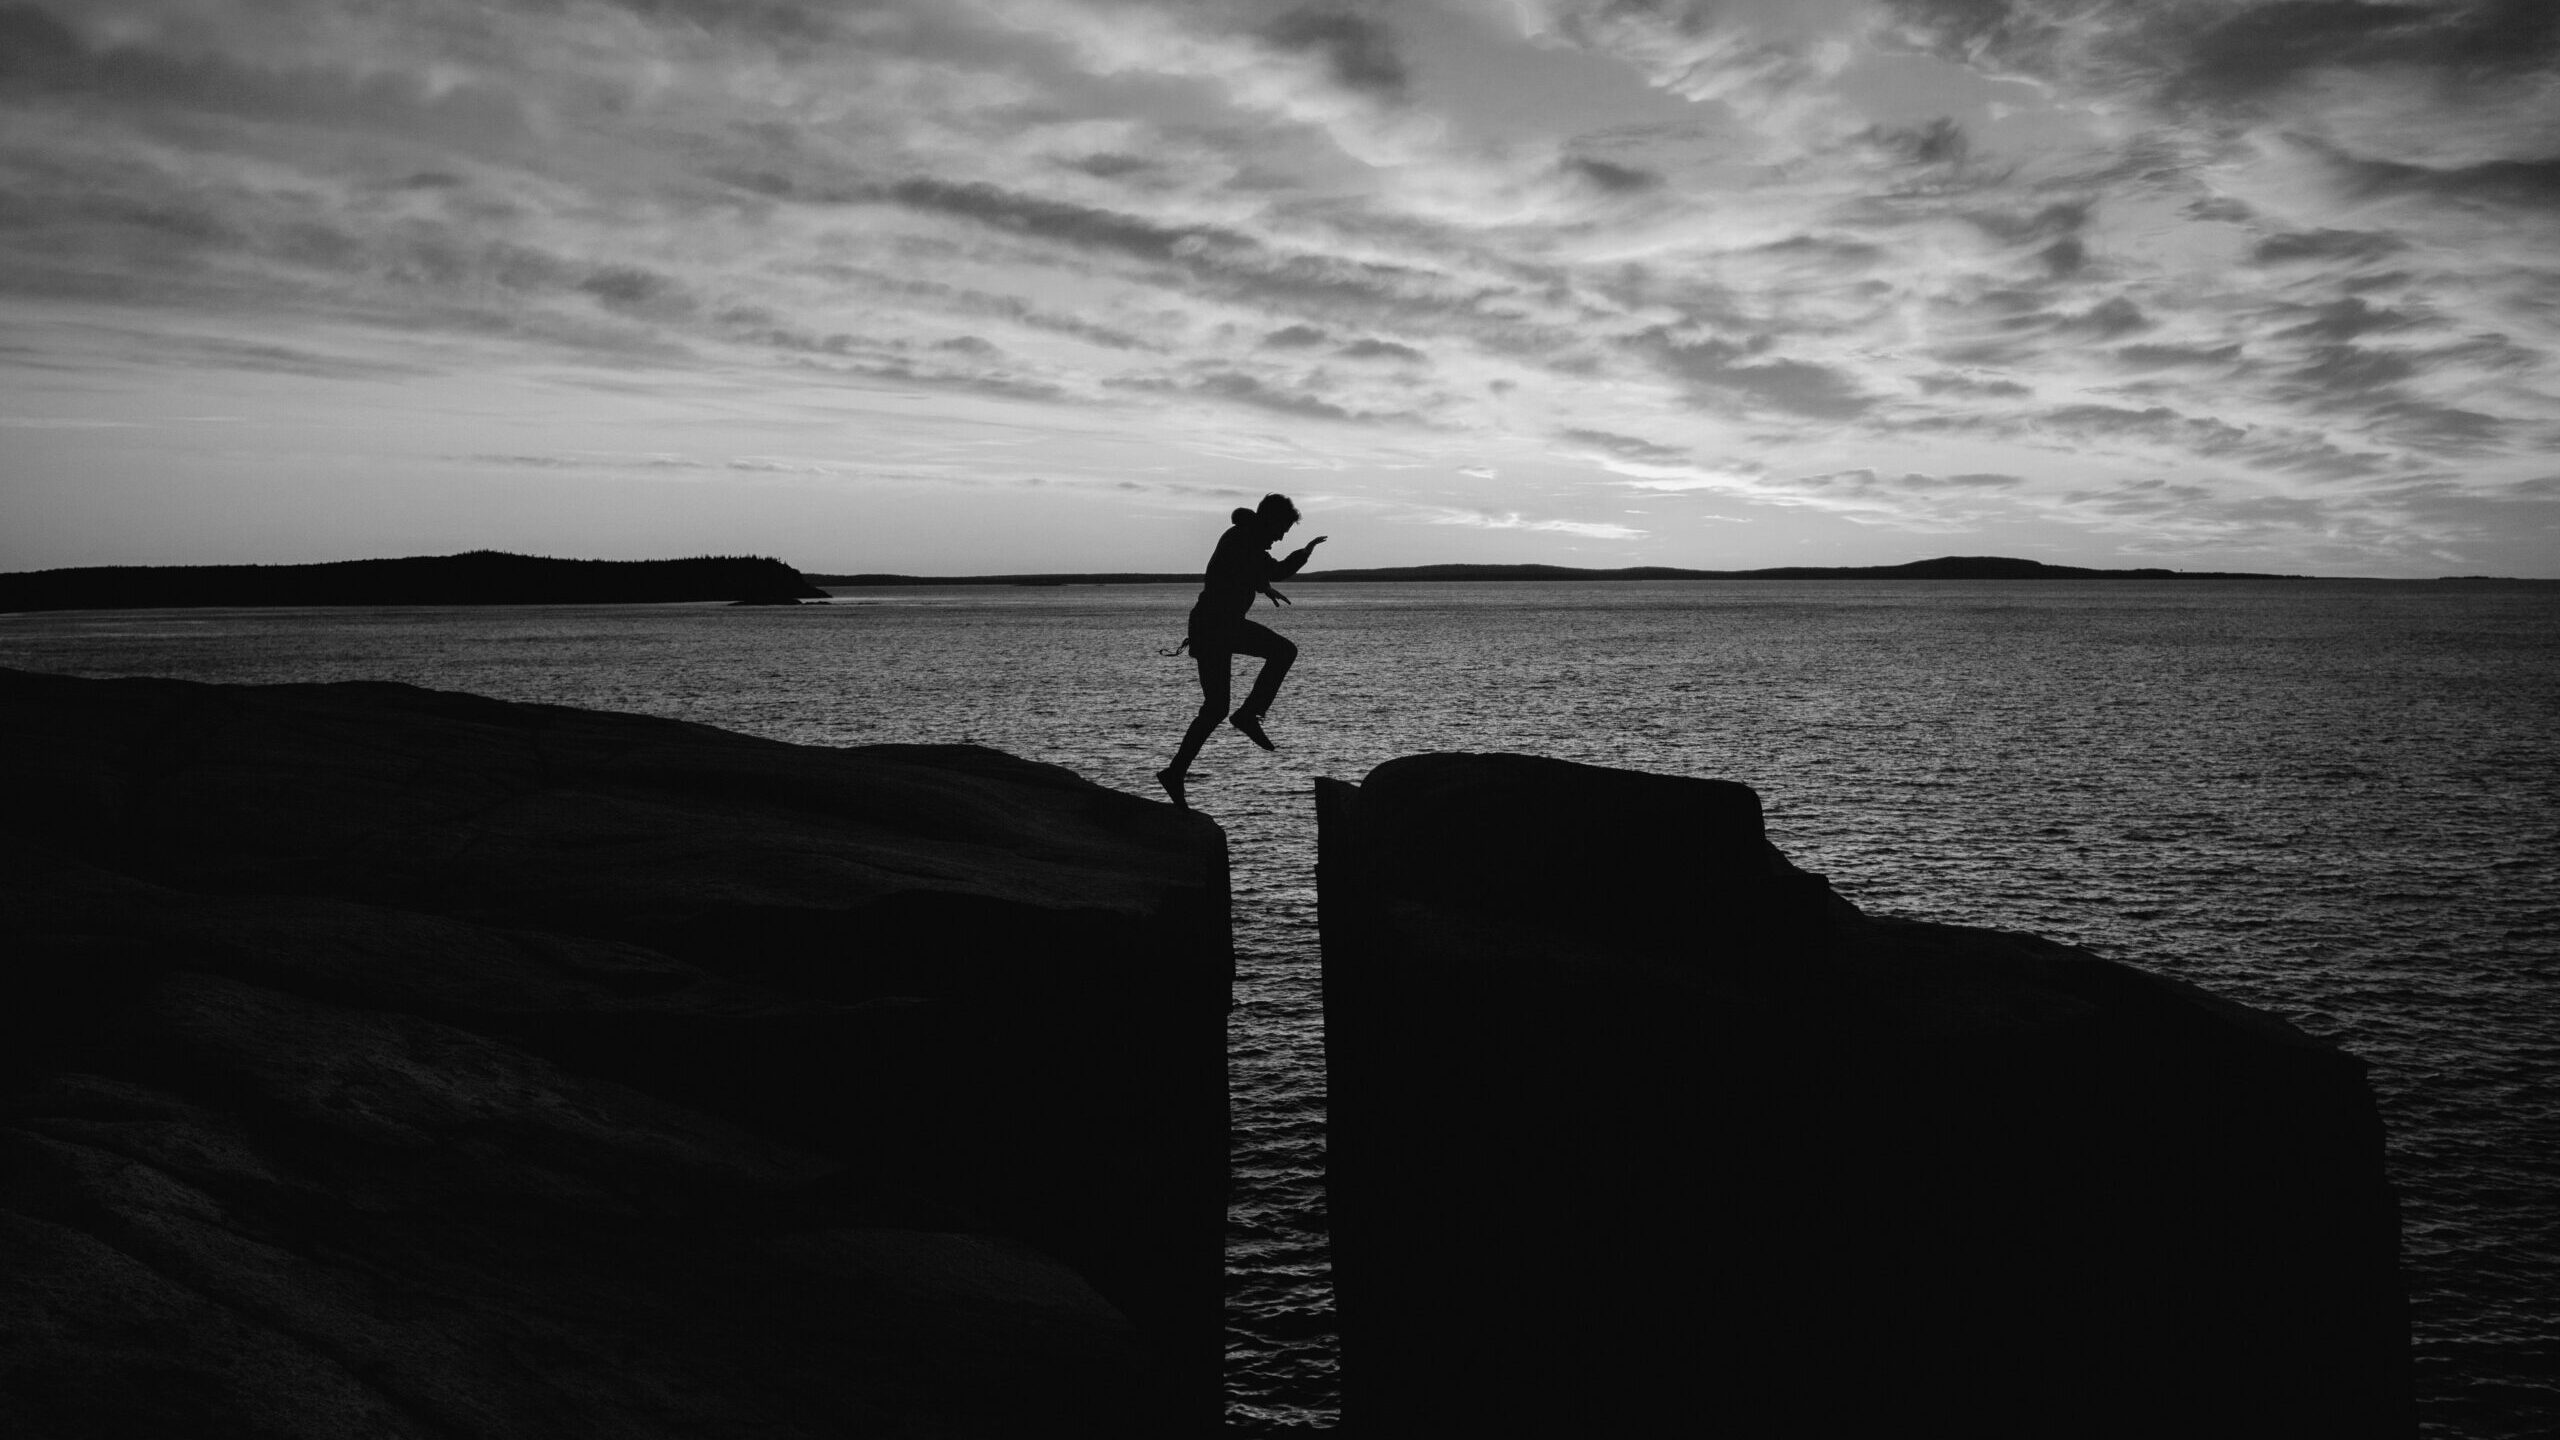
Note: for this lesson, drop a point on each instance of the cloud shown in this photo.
(1061, 222)
(1687, 479)
(2156, 424)
(1660, 469)
(1769, 75)
(943, 298)
(1626, 448)
(1514, 520)
(1722, 372)
(1953, 384)
(2261, 48)
(2242, 52)
(2284, 252)
(2107, 320)
(1374, 349)
(1909, 480)
(2518, 183)
(2354, 246)
(1294, 398)
(1358, 51)
(1608, 178)
(2142, 499)
(90, 59)
(2176, 357)
(2429, 426)
(1249, 390)
(2346, 318)
(625, 461)
(1332, 69)
(2352, 370)
(2044, 224)
(1909, 501)
(639, 291)
(993, 384)
(2447, 100)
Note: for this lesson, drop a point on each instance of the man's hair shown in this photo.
(1276, 508)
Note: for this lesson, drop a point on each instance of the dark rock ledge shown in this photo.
(1636, 1129)
(391, 1062)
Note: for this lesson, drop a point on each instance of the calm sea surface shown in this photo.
(2339, 801)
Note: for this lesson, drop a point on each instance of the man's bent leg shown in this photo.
(1278, 654)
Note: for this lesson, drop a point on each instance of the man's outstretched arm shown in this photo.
(1289, 564)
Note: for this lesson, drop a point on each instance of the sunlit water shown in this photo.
(2338, 801)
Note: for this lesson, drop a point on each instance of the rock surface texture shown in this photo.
(1636, 1129)
(391, 1062)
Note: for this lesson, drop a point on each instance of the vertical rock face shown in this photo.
(383, 1061)
(1634, 1124)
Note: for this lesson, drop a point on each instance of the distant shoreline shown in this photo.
(490, 577)
(1952, 567)
(478, 577)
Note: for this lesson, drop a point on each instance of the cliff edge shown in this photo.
(389, 1061)
(1633, 1122)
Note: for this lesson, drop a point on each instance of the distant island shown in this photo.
(1950, 567)
(477, 577)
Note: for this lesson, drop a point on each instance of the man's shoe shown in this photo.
(1172, 781)
(1251, 725)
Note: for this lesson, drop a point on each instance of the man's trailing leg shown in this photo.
(1213, 708)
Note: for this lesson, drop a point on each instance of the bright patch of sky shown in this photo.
(967, 286)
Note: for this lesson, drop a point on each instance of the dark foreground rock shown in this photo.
(390, 1062)
(1634, 1125)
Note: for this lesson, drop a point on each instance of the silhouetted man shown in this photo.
(1240, 569)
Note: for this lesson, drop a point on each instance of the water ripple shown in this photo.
(2339, 802)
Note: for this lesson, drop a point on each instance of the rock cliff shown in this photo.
(386, 1061)
(1633, 1124)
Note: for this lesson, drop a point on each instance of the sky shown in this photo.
(995, 286)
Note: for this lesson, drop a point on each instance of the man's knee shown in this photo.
(1283, 650)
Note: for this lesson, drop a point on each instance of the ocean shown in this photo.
(2335, 800)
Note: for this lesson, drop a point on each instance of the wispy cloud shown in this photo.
(2269, 274)
(1514, 520)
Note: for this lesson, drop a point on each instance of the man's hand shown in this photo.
(1276, 597)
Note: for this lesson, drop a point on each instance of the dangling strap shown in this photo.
(1176, 650)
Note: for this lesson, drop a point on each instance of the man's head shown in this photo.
(1277, 514)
